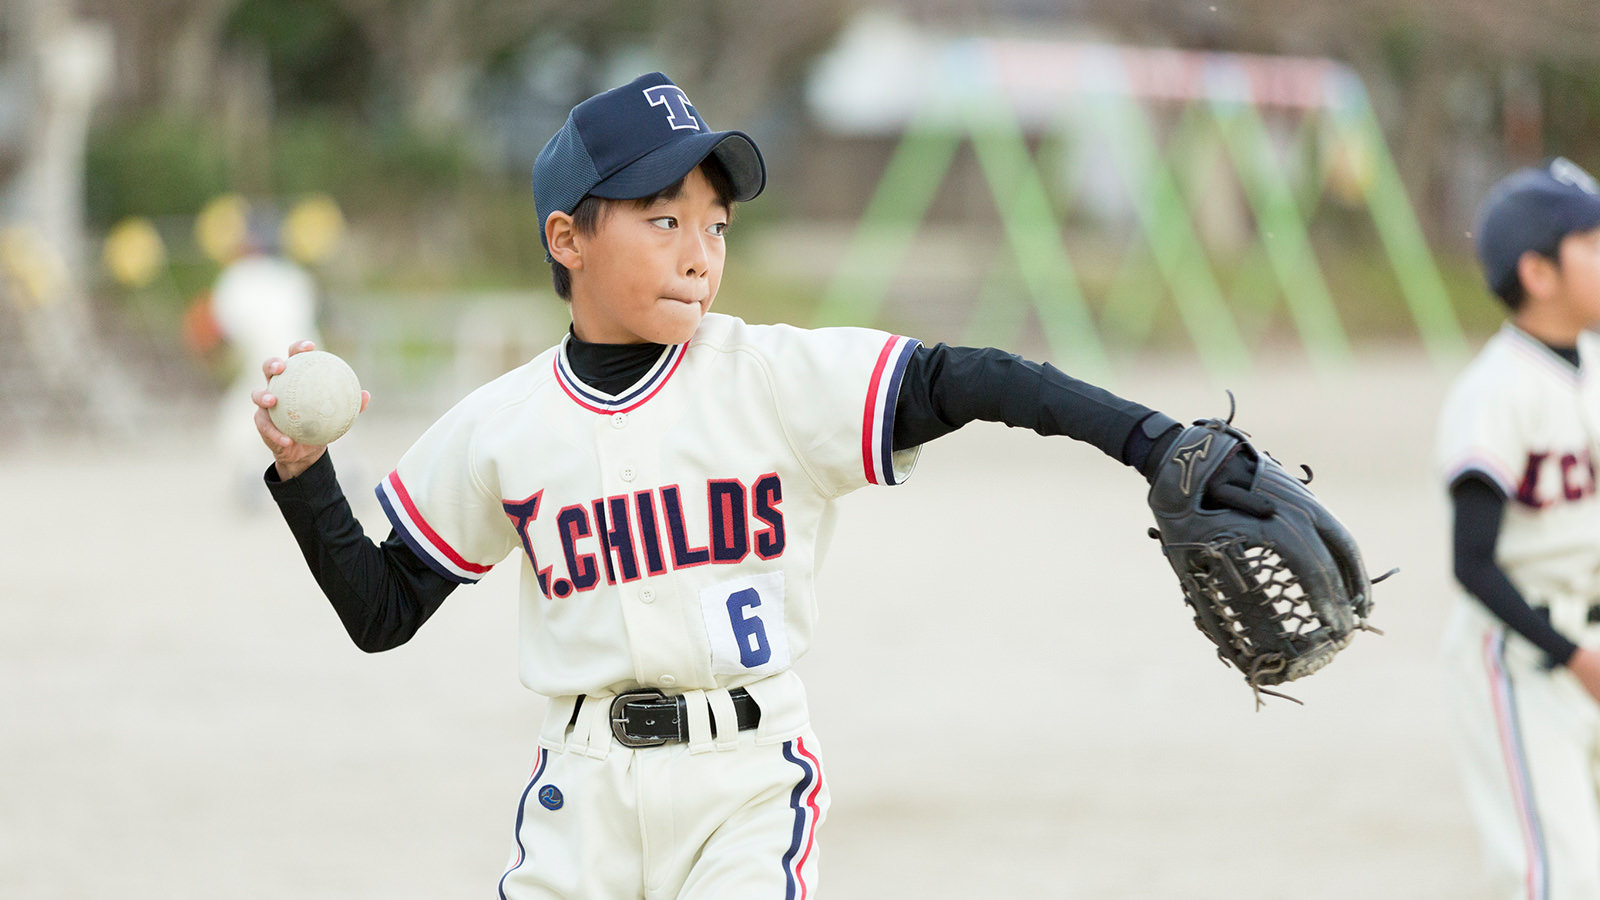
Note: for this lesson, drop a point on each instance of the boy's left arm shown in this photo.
(1274, 580)
(946, 387)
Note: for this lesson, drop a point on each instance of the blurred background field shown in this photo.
(1272, 197)
(1090, 181)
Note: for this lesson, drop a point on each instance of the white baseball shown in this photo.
(318, 397)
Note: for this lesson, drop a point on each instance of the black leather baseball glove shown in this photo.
(1274, 580)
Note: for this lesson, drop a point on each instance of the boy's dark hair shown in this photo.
(586, 216)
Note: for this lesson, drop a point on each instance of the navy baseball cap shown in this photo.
(1533, 209)
(633, 141)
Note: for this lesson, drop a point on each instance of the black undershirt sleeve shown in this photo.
(1479, 507)
(944, 388)
(382, 592)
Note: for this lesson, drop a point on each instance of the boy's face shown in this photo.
(650, 274)
(1579, 276)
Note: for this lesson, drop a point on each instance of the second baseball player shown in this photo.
(1517, 443)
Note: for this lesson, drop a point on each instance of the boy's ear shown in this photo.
(562, 237)
(1538, 274)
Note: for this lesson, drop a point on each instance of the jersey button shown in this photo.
(667, 681)
(628, 473)
(647, 596)
(619, 420)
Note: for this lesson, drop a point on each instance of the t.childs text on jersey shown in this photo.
(626, 537)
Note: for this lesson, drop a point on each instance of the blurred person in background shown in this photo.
(1516, 445)
(262, 302)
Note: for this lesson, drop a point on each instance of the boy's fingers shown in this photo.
(270, 432)
(365, 398)
(272, 366)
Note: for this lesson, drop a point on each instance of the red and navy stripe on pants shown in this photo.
(522, 805)
(803, 800)
(1536, 879)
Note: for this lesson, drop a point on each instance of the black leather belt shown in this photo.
(649, 718)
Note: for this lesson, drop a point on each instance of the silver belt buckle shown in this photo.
(619, 718)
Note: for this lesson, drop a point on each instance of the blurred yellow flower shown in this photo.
(1349, 168)
(134, 253)
(33, 268)
(222, 226)
(313, 229)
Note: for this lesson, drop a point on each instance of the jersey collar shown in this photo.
(629, 399)
(1539, 353)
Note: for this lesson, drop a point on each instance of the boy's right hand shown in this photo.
(1585, 664)
(289, 458)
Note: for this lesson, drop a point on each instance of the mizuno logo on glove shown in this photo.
(1185, 457)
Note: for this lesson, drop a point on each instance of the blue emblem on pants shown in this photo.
(550, 797)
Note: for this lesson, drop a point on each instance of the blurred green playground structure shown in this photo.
(1294, 133)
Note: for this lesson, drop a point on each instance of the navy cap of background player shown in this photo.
(1533, 209)
(633, 141)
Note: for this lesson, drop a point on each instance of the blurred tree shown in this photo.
(743, 53)
(53, 360)
(430, 51)
(315, 54)
(1411, 54)
(191, 60)
(167, 50)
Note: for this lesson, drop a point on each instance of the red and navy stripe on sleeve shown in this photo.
(420, 536)
(877, 420)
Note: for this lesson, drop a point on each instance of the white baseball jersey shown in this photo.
(1528, 737)
(670, 534)
(1524, 417)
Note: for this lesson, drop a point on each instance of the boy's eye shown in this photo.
(664, 222)
(719, 228)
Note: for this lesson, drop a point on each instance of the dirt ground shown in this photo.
(1011, 696)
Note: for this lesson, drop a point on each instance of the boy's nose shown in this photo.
(696, 258)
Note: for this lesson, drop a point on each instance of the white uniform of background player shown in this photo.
(261, 304)
(659, 552)
(1533, 733)
(1525, 419)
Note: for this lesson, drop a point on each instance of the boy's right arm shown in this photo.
(382, 593)
(1478, 507)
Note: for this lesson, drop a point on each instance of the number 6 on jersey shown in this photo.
(747, 630)
(745, 625)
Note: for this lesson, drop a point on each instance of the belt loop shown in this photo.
(592, 734)
(724, 718)
(557, 716)
(699, 721)
(782, 698)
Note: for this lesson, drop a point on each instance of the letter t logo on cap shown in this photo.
(677, 103)
(1565, 170)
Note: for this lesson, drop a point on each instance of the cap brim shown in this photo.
(668, 164)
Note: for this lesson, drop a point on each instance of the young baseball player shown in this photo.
(1517, 448)
(666, 476)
